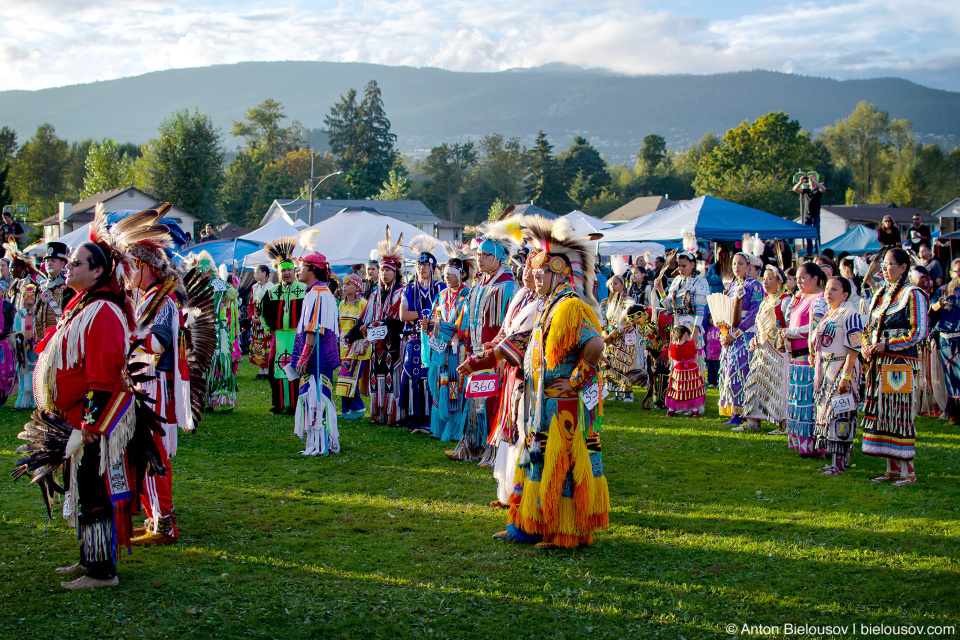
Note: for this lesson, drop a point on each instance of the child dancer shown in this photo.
(686, 392)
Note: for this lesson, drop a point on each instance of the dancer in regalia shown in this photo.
(835, 348)
(898, 320)
(261, 340)
(53, 294)
(88, 418)
(734, 357)
(23, 293)
(281, 312)
(946, 310)
(687, 298)
(173, 355)
(560, 494)
(418, 297)
(221, 381)
(622, 341)
(486, 307)
(353, 380)
(765, 392)
(448, 347)
(383, 315)
(804, 313)
(317, 356)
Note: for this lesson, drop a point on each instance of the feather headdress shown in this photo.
(752, 249)
(462, 258)
(689, 245)
(424, 246)
(309, 241)
(280, 252)
(118, 237)
(558, 238)
(391, 253)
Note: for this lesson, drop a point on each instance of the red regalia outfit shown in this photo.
(165, 357)
(80, 374)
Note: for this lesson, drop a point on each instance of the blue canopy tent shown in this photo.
(708, 218)
(858, 240)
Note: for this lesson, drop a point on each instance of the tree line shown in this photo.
(865, 157)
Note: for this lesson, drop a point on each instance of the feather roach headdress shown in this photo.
(424, 246)
(752, 249)
(463, 259)
(116, 238)
(391, 254)
(280, 252)
(564, 252)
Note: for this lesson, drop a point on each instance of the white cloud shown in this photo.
(59, 42)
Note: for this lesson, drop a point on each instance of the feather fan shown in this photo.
(201, 330)
(721, 310)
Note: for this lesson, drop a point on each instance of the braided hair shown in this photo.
(901, 258)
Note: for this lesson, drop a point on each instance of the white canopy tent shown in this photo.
(276, 228)
(584, 224)
(349, 236)
(72, 239)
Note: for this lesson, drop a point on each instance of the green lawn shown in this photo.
(390, 539)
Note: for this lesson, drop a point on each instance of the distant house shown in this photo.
(410, 211)
(639, 207)
(835, 220)
(73, 216)
(947, 215)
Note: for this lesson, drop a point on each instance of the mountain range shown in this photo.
(428, 106)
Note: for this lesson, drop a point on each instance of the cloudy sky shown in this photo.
(50, 43)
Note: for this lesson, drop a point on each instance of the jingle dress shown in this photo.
(686, 391)
(448, 412)
(621, 341)
(735, 358)
(804, 313)
(687, 299)
(765, 393)
(903, 321)
(839, 332)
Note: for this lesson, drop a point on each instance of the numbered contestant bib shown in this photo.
(376, 333)
(843, 404)
(437, 344)
(592, 394)
(482, 384)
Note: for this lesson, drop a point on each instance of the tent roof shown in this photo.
(582, 223)
(858, 239)
(349, 236)
(708, 218)
(226, 251)
(276, 228)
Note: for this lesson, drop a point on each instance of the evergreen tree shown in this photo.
(397, 187)
(544, 184)
(581, 157)
(360, 138)
(653, 152)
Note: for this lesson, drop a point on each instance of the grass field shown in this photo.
(390, 539)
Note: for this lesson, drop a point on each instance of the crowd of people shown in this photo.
(508, 350)
(495, 352)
